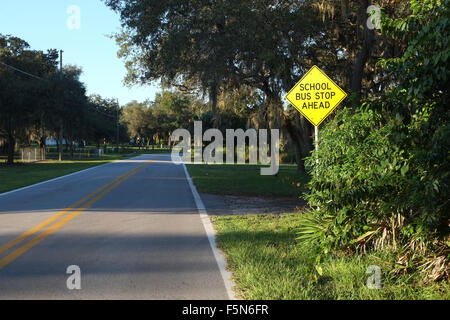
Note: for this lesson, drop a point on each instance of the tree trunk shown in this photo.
(344, 10)
(60, 144)
(213, 99)
(363, 55)
(42, 142)
(42, 145)
(297, 143)
(71, 148)
(11, 148)
(57, 144)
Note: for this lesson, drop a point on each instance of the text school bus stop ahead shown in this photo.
(316, 96)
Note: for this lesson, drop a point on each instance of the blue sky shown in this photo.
(43, 24)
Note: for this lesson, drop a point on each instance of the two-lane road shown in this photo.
(131, 226)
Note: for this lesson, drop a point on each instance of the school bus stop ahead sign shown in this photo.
(315, 96)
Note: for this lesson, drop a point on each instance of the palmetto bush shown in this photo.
(373, 189)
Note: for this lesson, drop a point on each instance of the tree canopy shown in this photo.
(38, 101)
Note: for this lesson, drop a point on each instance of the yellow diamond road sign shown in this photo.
(315, 96)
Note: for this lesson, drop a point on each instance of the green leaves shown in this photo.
(390, 157)
(319, 270)
(365, 176)
(404, 170)
(424, 67)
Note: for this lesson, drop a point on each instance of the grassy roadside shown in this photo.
(22, 175)
(267, 263)
(246, 180)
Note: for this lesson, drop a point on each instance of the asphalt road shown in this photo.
(136, 234)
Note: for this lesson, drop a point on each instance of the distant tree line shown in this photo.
(38, 102)
(152, 122)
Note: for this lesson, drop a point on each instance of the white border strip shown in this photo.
(62, 177)
(211, 234)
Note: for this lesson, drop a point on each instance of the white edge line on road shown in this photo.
(211, 234)
(60, 178)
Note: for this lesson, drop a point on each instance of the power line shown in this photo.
(103, 113)
(39, 78)
(21, 71)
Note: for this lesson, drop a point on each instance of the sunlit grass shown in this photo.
(247, 180)
(268, 263)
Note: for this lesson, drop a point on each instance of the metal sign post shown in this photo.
(316, 141)
(316, 96)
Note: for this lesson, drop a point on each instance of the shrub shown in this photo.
(383, 175)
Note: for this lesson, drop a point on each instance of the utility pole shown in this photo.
(62, 100)
(60, 61)
(117, 126)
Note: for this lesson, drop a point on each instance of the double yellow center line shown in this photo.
(61, 218)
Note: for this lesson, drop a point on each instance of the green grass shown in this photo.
(22, 175)
(247, 180)
(267, 263)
